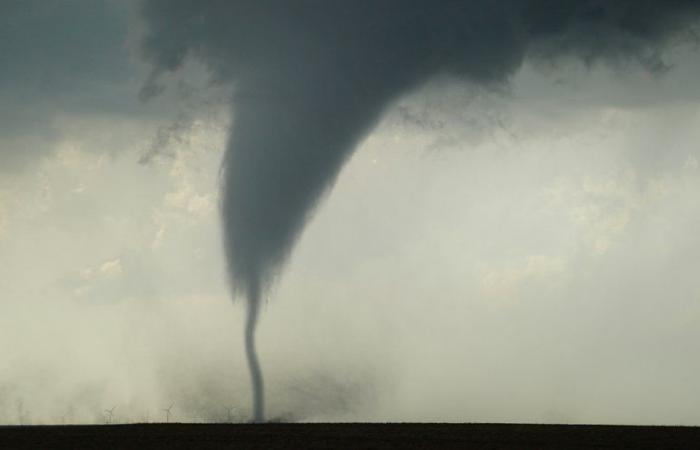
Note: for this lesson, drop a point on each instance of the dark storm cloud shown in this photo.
(311, 78)
(57, 57)
(55, 48)
(68, 58)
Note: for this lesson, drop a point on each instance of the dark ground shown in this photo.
(348, 436)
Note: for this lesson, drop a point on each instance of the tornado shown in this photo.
(256, 378)
(283, 152)
(310, 79)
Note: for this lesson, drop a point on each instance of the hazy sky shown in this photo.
(522, 252)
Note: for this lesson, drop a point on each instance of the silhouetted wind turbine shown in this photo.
(167, 413)
(109, 414)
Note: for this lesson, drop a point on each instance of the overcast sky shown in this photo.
(522, 252)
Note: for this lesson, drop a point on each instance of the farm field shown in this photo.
(273, 436)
